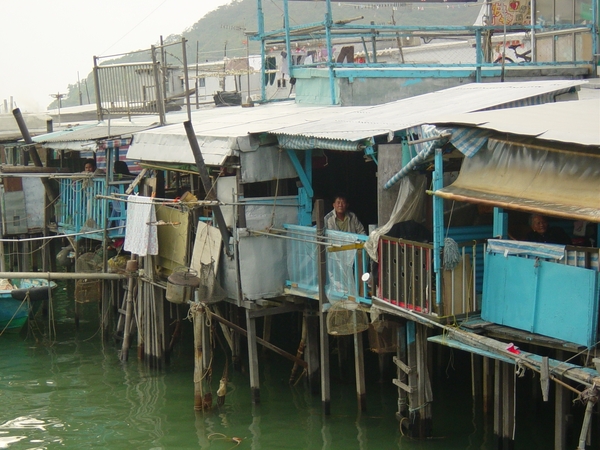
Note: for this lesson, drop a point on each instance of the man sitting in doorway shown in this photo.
(342, 219)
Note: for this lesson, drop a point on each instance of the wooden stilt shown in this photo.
(77, 309)
(266, 331)
(311, 351)
(401, 374)
(562, 400)
(206, 345)
(163, 332)
(562, 408)
(2, 258)
(424, 386)
(295, 376)
(488, 385)
(128, 316)
(235, 338)
(198, 319)
(26, 256)
(476, 377)
(359, 370)
(324, 337)
(253, 358)
(508, 406)
(497, 404)
(419, 395)
(382, 365)
(105, 311)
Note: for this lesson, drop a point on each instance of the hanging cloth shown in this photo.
(140, 234)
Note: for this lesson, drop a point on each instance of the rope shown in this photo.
(26, 299)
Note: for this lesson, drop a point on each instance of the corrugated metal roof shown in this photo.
(220, 129)
(85, 137)
(576, 122)
(413, 111)
(100, 130)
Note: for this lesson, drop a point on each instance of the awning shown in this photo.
(467, 140)
(561, 183)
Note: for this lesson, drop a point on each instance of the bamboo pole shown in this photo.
(324, 337)
(253, 358)
(197, 318)
(128, 315)
(63, 275)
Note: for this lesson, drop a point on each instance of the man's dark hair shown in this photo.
(341, 195)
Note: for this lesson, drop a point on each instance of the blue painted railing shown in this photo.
(78, 209)
(344, 268)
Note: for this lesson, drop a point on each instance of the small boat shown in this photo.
(19, 298)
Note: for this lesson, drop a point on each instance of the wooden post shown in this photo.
(561, 409)
(324, 338)
(206, 346)
(198, 319)
(128, 316)
(476, 377)
(2, 256)
(235, 338)
(77, 309)
(508, 406)
(497, 404)
(266, 331)
(488, 385)
(424, 386)
(359, 369)
(420, 395)
(311, 351)
(26, 256)
(253, 358)
(401, 374)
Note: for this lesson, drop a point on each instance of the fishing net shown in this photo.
(180, 284)
(209, 290)
(346, 317)
(90, 262)
(383, 336)
(87, 291)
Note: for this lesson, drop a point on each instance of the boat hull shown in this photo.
(24, 298)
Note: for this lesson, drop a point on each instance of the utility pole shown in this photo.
(58, 96)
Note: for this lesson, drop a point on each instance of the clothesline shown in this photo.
(41, 238)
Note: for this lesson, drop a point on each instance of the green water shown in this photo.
(75, 393)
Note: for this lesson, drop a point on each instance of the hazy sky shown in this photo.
(46, 42)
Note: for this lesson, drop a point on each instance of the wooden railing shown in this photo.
(407, 278)
(78, 209)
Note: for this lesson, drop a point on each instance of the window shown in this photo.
(201, 82)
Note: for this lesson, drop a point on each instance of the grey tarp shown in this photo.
(555, 182)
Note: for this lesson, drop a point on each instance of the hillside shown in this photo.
(221, 32)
